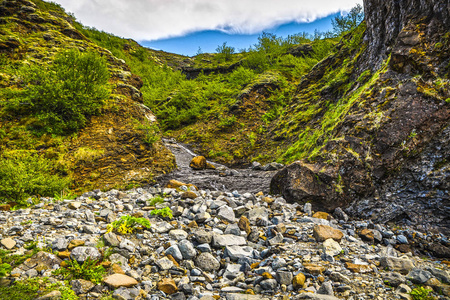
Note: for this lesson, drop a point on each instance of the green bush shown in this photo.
(165, 212)
(4, 269)
(63, 95)
(225, 52)
(128, 224)
(23, 174)
(346, 23)
(89, 270)
(155, 200)
(421, 293)
(241, 77)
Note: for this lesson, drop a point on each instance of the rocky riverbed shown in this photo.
(219, 245)
(232, 242)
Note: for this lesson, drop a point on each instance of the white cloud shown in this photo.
(157, 19)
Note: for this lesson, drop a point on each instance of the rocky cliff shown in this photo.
(387, 156)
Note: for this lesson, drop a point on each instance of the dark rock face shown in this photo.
(386, 21)
(390, 158)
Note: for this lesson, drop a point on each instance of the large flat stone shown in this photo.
(118, 280)
(224, 240)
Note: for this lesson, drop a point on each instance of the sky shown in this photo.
(182, 26)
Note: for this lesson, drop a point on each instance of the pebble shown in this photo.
(221, 245)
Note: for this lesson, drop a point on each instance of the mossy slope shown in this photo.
(111, 149)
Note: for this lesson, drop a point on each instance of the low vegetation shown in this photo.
(88, 270)
(165, 212)
(128, 224)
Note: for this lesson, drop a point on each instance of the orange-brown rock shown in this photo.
(210, 166)
(198, 163)
(323, 232)
(168, 286)
(314, 269)
(321, 215)
(366, 235)
(117, 269)
(193, 224)
(172, 259)
(174, 184)
(64, 254)
(356, 268)
(188, 195)
(268, 200)
(75, 243)
(299, 280)
(267, 275)
(119, 280)
(244, 224)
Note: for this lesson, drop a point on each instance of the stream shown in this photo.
(221, 179)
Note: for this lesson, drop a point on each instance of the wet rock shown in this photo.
(198, 163)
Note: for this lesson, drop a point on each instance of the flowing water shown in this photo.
(221, 179)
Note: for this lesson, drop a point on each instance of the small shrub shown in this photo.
(127, 224)
(151, 133)
(89, 270)
(420, 293)
(165, 212)
(241, 76)
(23, 174)
(4, 269)
(346, 23)
(157, 199)
(62, 96)
(225, 52)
